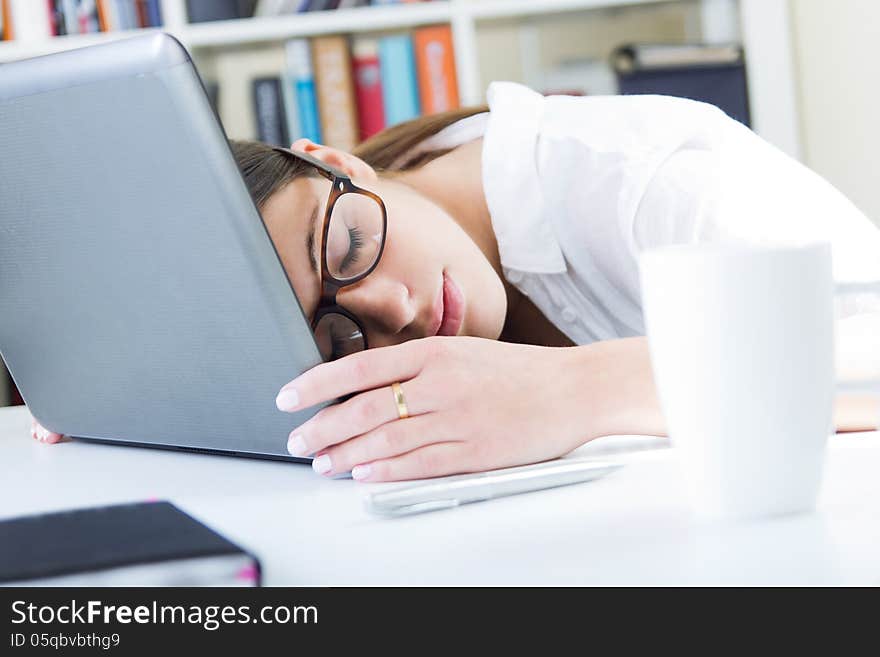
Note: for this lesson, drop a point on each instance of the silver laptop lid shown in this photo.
(141, 299)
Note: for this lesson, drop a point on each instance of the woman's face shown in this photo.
(403, 297)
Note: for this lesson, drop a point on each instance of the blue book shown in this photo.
(299, 72)
(154, 13)
(400, 87)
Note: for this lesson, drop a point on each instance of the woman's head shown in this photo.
(398, 300)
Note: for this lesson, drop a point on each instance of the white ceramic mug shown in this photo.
(742, 347)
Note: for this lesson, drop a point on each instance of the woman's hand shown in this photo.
(41, 433)
(474, 404)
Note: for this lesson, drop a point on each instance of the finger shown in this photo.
(389, 440)
(364, 370)
(360, 414)
(41, 433)
(435, 460)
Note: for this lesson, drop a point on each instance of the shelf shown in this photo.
(340, 21)
(493, 9)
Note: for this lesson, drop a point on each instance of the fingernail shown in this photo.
(322, 464)
(296, 445)
(361, 471)
(287, 399)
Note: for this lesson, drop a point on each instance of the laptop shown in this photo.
(141, 299)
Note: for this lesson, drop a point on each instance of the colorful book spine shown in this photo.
(269, 111)
(154, 13)
(331, 60)
(87, 16)
(288, 94)
(127, 15)
(400, 91)
(299, 63)
(103, 18)
(368, 86)
(71, 20)
(140, 7)
(435, 63)
(56, 18)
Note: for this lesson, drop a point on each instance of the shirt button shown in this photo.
(568, 314)
(514, 276)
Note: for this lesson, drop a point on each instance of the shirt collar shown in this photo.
(511, 182)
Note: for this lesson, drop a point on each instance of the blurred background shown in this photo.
(801, 73)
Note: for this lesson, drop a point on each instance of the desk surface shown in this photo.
(631, 528)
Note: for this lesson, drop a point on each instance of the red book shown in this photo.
(142, 14)
(368, 86)
(53, 18)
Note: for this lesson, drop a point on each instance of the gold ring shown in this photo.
(399, 400)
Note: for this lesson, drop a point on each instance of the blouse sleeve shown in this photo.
(747, 191)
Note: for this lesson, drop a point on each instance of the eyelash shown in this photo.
(356, 241)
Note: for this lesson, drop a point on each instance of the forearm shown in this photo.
(617, 386)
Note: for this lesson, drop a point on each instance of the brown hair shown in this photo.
(266, 171)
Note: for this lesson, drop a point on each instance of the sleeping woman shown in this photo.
(472, 276)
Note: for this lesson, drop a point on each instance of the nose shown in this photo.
(381, 303)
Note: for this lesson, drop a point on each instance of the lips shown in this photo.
(451, 307)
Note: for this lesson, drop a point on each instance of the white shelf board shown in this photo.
(490, 9)
(339, 21)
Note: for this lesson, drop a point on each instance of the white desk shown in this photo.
(630, 528)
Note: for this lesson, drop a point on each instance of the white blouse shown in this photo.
(577, 187)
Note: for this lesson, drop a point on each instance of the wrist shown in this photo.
(614, 386)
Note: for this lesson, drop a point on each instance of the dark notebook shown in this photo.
(712, 74)
(150, 543)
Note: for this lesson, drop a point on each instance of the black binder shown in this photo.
(152, 543)
(713, 74)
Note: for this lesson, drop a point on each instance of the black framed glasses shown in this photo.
(352, 240)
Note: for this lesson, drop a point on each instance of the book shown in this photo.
(30, 20)
(269, 111)
(88, 16)
(712, 74)
(154, 13)
(272, 7)
(288, 95)
(299, 67)
(127, 18)
(627, 58)
(57, 26)
(108, 15)
(368, 86)
(140, 544)
(400, 91)
(140, 8)
(203, 11)
(334, 87)
(71, 20)
(435, 65)
(235, 70)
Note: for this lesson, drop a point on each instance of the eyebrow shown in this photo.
(310, 240)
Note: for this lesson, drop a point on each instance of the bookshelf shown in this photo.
(763, 27)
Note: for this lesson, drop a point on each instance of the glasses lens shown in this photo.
(338, 336)
(355, 236)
